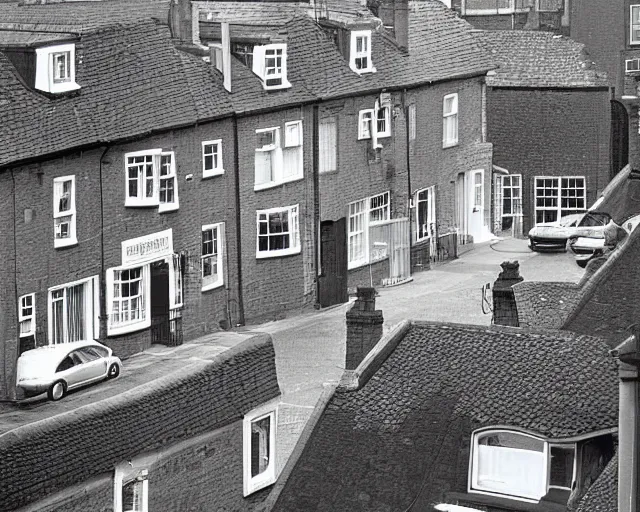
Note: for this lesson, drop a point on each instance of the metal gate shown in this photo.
(391, 239)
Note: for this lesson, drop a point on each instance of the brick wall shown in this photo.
(202, 201)
(92, 440)
(550, 133)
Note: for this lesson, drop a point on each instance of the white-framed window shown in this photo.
(363, 214)
(151, 180)
(412, 122)
(632, 65)
(278, 232)
(519, 466)
(27, 315)
(64, 211)
(556, 197)
(270, 64)
(55, 68)
(328, 142)
(634, 25)
(212, 260)
(425, 203)
(129, 295)
(360, 52)
(365, 124)
(511, 190)
(259, 450)
(478, 196)
(383, 121)
(275, 162)
(131, 489)
(73, 310)
(176, 293)
(450, 120)
(212, 158)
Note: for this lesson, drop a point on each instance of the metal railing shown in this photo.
(167, 329)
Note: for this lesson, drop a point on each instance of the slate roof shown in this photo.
(12, 38)
(545, 305)
(529, 58)
(602, 496)
(401, 434)
(133, 82)
(82, 16)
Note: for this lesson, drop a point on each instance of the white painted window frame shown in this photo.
(450, 117)
(124, 475)
(632, 65)
(354, 54)
(268, 476)
(559, 189)
(72, 239)
(431, 212)
(364, 214)
(386, 109)
(116, 329)
(473, 487)
(503, 187)
(277, 157)
(164, 206)
(325, 147)
(216, 156)
(45, 72)
(260, 65)
(293, 212)
(385, 208)
(22, 317)
(633, 7)
(218, 228)
(91, 299)
(478, 191)
(365, 123)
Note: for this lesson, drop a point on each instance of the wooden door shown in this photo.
(333, 261)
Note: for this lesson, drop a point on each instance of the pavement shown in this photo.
(310, 347)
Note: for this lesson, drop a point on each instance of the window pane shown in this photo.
(260, 433)
(561, 471)
(328, 138)
(132, 498)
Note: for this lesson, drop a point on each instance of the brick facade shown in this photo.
(571, 126)
(154, 419)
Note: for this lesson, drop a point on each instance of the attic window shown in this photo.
(55, 68)
(270, 64)
(360, 60)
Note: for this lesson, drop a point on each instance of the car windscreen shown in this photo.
(592, 219)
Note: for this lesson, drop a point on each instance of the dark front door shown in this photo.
(619, 137)
(160, 303)
(333, 260)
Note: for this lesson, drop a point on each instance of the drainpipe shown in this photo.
(407, 141)
(316, 200)
(236, 163)
(101, 280)
(629, 424)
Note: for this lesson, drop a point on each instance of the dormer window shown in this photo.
(55, 69)
(360, 60)
(270, 64)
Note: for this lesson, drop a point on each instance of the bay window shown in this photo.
(259, 450)
(278, 232)
(450, 120)
(519, 466)
(151, 180)
(212, 256)
(64, 211)
(73, 311)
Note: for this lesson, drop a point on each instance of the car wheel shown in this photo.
(582, 263)
(114, 371)
(57, 390)
(532, 245)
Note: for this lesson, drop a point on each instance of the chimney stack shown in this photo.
(364, 327)
(401, 22)
(226, 56)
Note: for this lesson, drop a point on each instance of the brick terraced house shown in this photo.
(549, 120)
(153, 197)
(205, 435)
(456, 417)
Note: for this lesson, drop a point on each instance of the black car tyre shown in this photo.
(582, 263)
(114, 371)
(532, 245)
(57, 390)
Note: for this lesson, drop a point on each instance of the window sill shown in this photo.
(272, 184)
(140, 205)
(363, 71)
(128, 328)
(168, 208)
(278, 253)
(260, 482)
(384, 135)
(325, 173)
(357, 264)
(212, 286)
(63, 87)
(504, 502)
(285, 85)
(211, 173)
(446, 145)
(60, 243)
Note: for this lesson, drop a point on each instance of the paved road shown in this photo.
(310, 348)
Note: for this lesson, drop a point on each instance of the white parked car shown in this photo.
(56, 369)
(553, 235)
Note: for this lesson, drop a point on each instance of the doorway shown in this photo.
(470, 205)
(332, 282)
(160, 332)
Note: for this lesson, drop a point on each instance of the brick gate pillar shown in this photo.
(505, 311)
(364, 327)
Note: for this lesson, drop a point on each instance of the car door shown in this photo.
(95, 364)
(67, 371)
